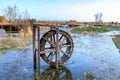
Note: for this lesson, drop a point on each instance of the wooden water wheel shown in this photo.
(48, 45)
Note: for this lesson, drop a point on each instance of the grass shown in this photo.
(116, 40)
(94, 29)
(5, 48)
(114, 27)
(14, 42)
(89, 75)
(11, 31)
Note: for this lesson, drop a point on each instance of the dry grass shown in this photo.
(14, 42)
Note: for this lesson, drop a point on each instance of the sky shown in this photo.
(79, 10)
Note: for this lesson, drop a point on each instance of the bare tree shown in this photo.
(98, 17)
(26, 23)
(10, 12)
(26, 17)
(19, 19)
(15, 11)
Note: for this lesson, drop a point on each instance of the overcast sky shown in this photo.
(80, 10)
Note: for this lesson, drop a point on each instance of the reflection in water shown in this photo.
(61, 73)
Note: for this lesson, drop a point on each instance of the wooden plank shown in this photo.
(48, 51)
(57, 47)
(48, 24)
(38, 32)
(64, 45)
(34, 48)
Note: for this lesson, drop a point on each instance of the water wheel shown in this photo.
(48, 47)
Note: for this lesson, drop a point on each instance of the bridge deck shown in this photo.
(48, 24)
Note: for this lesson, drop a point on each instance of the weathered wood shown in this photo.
(57, 47)
(34, 47)
(57, 50)
(52, 25)
(47, 51)
(38, 31)
(50, 46)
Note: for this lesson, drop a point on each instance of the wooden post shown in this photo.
(57, 47)
(34, 47)
(10, 27)
(2, 25)
(38, 47)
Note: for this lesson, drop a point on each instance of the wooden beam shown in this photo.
(34, 47)
(57, 47)
(38, 32)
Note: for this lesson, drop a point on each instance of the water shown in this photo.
(96, 54)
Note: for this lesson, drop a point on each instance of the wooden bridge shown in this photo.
(12, 26)
(70, 24)
(5, 26)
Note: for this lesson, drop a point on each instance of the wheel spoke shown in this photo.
(64, 45)
(63, 39)
(47, 51)
(50, 55)
(49, 41)
(61, 72)
(54, 38)
(60, 38)
(48, 48)
(64, 52)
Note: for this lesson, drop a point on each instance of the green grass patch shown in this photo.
(6, 48)
(89, 75)
(116, 40)
(11, 31)
(94, 29)
(114, 27)
(89, 29)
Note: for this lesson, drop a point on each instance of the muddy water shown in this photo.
(92, 53)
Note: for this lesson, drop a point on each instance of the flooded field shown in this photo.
(92, 53)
